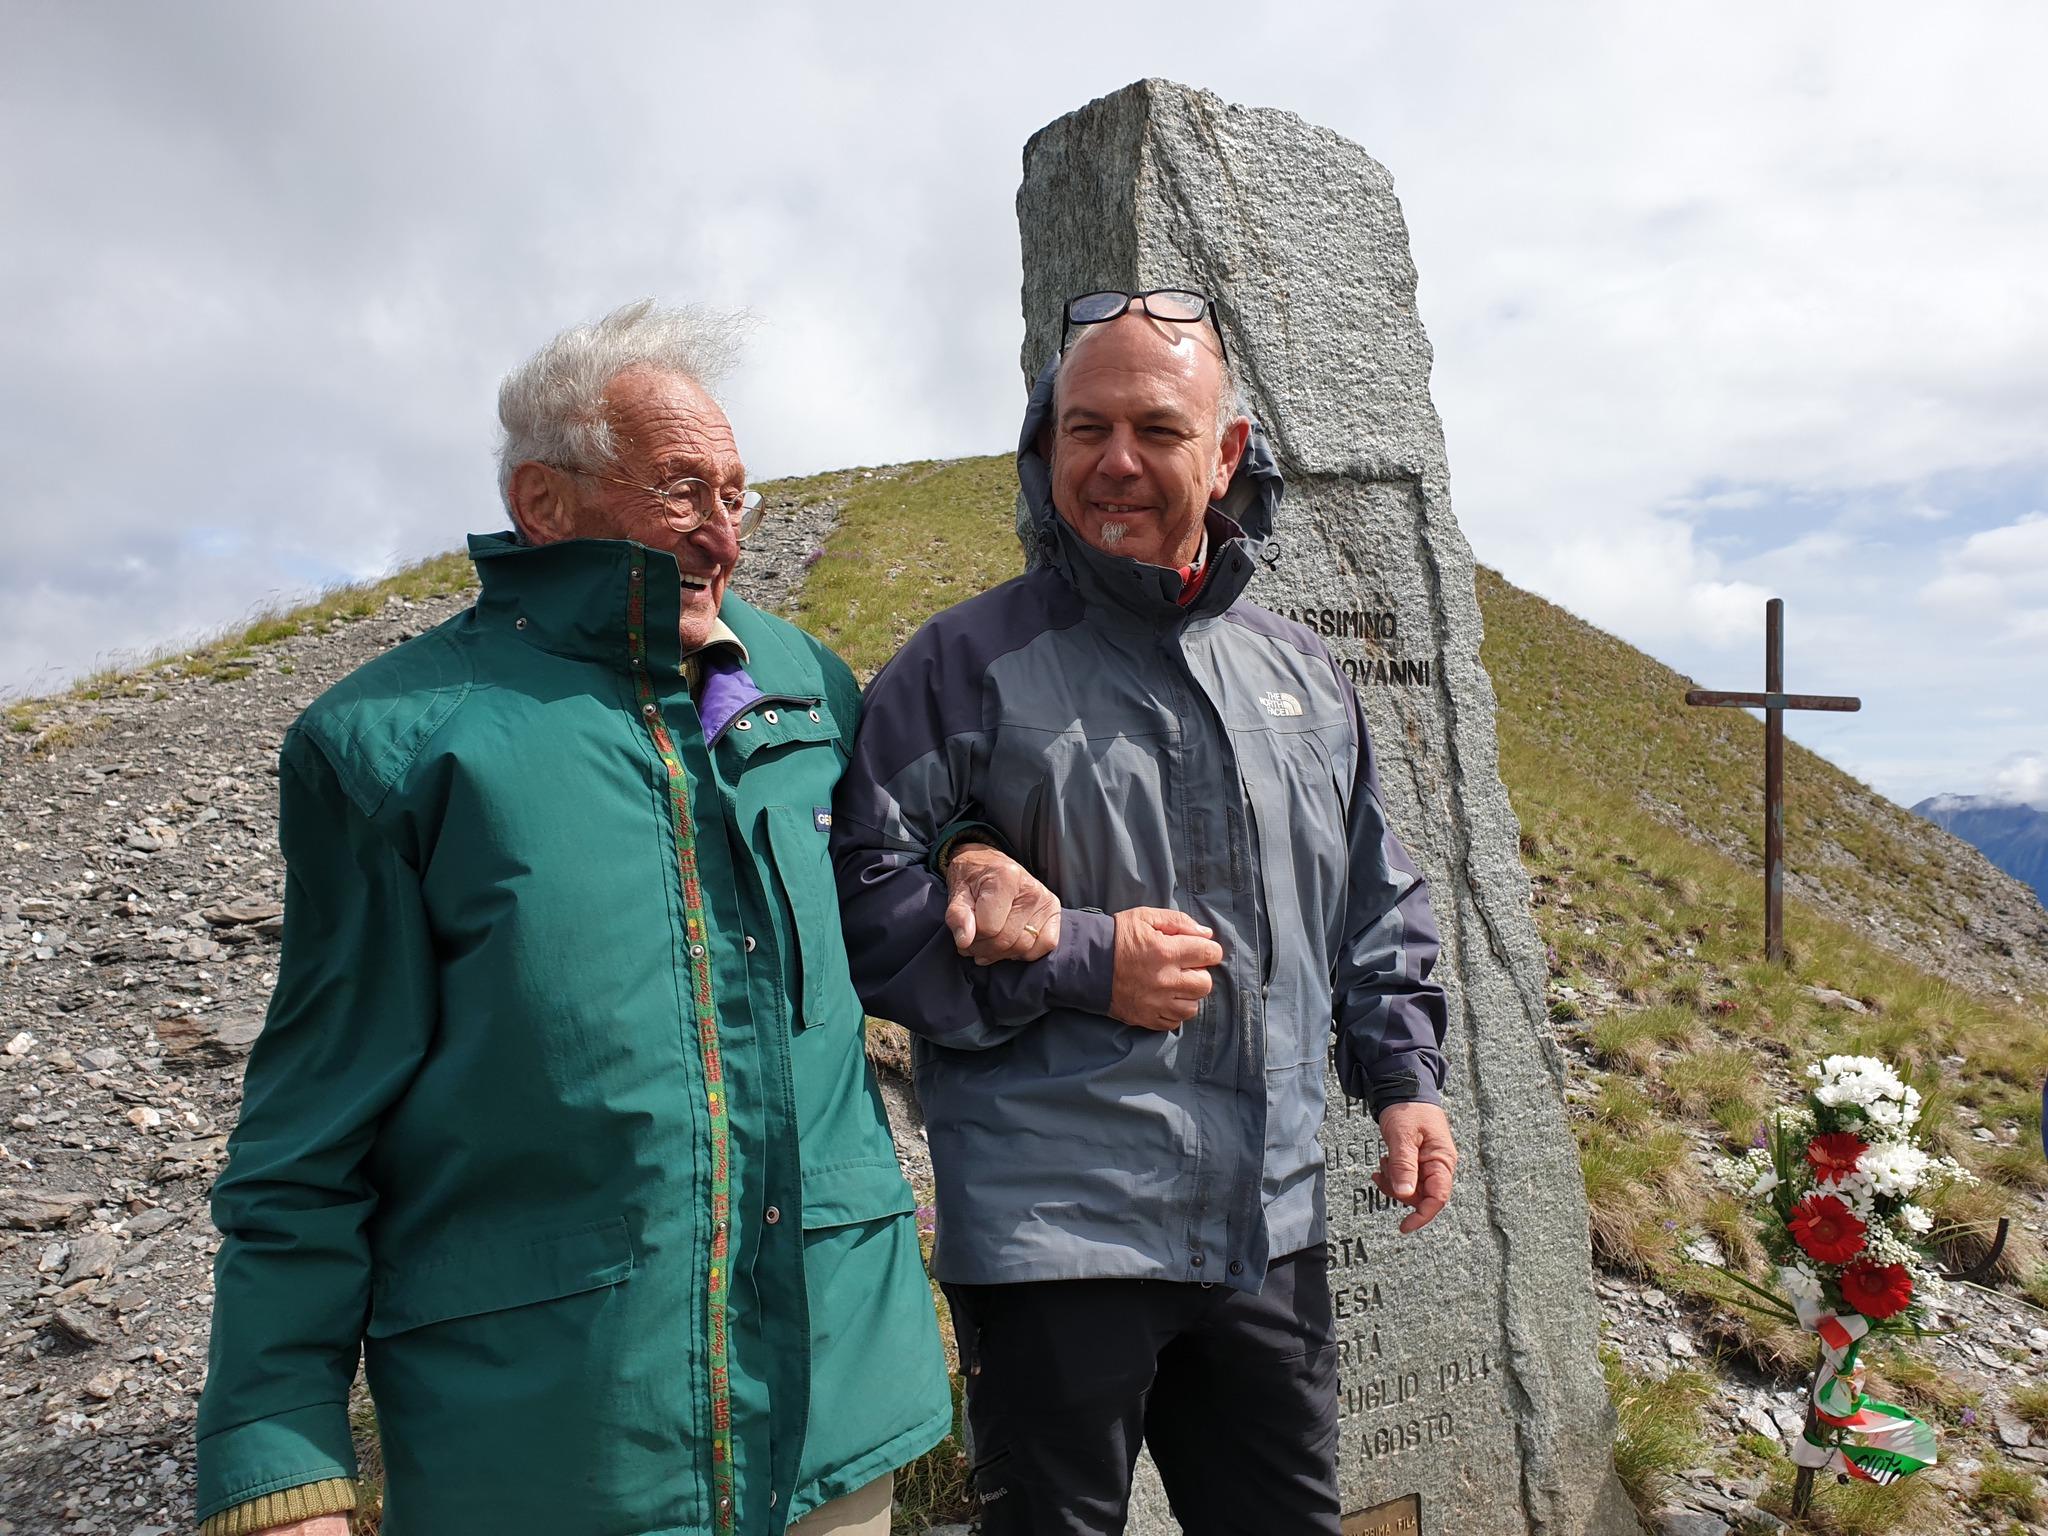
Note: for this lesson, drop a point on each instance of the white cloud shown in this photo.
(2023, 779)
(1998, 573)
(1699, 278)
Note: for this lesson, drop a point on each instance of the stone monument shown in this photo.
(1472, 1401)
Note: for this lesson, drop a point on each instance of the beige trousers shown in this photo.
(863, 1512)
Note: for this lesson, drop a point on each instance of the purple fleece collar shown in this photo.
(726, 690)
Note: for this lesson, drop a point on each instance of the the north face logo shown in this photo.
(1280, 703)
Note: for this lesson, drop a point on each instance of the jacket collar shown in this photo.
(1150, 594)
(594, 600)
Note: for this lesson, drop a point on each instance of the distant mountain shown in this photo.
(2014, 837)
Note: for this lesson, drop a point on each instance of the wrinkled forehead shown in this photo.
(668, 423)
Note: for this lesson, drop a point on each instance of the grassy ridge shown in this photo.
(905, 548)
(233, 654)
(1609, 714)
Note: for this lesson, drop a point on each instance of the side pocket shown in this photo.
(496, 1276)
(847, 1193)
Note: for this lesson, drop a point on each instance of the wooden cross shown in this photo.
(1774, 701)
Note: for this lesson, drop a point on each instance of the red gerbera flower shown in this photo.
(1827, 1229)
(1878, 1291)
(1834, 1155)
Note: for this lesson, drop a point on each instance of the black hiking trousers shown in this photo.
(1234, 1395)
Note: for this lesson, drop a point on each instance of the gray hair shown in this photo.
(552, 405)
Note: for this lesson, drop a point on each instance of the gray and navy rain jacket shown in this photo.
(1133, 752)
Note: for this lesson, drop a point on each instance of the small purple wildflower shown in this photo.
(813, 555)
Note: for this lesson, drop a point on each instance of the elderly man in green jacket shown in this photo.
(561, 1117)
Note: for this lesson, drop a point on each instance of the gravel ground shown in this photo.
(140, 890)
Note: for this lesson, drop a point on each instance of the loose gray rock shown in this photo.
(239, 913)
(149, 1223)
(230, 1039)
(1472, 1377)
(1689, 1522)
(92, 1257)
(1830, 998)
(79, 1327)
(41, 1210)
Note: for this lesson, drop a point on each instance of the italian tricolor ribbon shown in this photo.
(1848, 1432)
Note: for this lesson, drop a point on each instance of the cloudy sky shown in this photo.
(1728, 300)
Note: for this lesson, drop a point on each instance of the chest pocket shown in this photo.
(1296, 791)
(803, 868)
(785, 755)
(790, 765)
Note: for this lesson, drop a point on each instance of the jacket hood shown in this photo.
(1252, 501)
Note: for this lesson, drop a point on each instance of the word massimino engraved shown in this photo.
(1380, 628)
(1346, 623)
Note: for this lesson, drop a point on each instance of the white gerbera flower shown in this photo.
(1857, 1191)
(1863, 1081)
(1916, 1220)
(1895, 1167)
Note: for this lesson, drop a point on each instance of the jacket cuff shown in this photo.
(1082, 965)
(242, 1464)
(329, 1496)
(1412, 1077)
(953, 834)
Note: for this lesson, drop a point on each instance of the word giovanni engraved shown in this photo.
(1379, 629)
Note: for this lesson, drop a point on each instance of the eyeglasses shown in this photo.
(1177, 304)
(688, 502)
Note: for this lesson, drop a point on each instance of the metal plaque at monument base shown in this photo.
(1471, 1400)
(1396, 1517)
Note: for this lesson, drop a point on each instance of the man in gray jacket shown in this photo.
(1122, 1077)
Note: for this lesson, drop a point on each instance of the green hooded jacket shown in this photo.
(561, 1113)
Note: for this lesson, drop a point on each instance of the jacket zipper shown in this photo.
(704, 1011)
(1260, 936)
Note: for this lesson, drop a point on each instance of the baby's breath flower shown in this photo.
(1881, 1245)
(1752, 1173)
